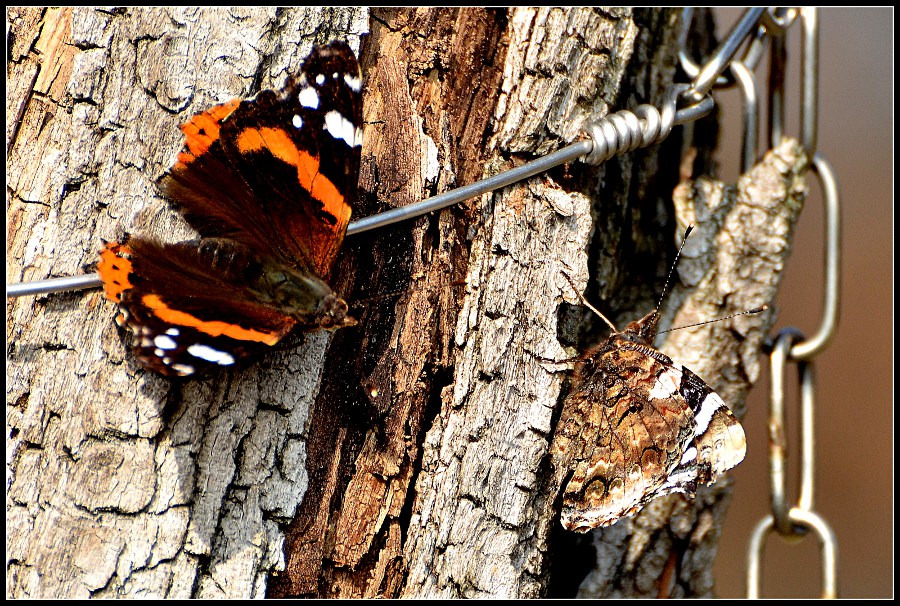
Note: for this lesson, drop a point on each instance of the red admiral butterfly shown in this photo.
(636, 426)
(268, 183)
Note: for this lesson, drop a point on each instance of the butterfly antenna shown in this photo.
(674, 263)
(588, 305)
(743, 313)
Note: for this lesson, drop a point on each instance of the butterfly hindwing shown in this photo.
(173, 331)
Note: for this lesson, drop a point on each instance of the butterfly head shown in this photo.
(333, 313)
(642, 331)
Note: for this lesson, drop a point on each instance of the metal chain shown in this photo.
(789, 345)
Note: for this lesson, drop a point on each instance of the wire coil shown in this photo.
(628, 130)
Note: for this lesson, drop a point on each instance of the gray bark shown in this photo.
(123, 483)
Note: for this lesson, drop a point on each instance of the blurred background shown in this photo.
(854, 379)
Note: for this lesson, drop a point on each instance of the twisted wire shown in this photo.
(628, 130)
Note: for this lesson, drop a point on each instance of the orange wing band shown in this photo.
(114, 268)
(203, 130)
(282, 147)
(214, 328)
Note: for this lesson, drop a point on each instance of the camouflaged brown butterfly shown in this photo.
(636, 426)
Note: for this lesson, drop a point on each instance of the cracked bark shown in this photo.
(406, 457)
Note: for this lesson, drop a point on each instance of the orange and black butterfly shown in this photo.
(269, 184)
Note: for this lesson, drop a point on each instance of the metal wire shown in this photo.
(569, 153)
(621, 132)
(51, 285)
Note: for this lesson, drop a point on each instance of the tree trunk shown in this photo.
(406, 456)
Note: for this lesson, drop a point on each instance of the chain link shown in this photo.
(746, 80)
(799, 518)
(778, 436)
(809, 68)
(718, 62)
(778, 20)
(750, 58)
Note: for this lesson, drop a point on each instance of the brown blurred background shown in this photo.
(854, 386)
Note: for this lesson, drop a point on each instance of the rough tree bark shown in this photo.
(407, 456)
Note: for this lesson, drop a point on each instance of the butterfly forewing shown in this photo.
(280, 172)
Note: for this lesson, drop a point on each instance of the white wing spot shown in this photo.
(297, 121)
(308, 97)
(183, 369)
(320, 79)
(173, 332)
(354, 82)
(340, 127)
(689, 455)
(677, 481)
(164, 342)
(205, 352)
(666, 384)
